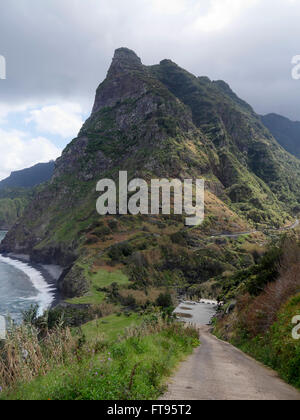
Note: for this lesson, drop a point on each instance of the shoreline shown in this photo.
(50, 273)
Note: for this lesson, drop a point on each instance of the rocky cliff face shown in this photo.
(160, 121)
(116, 88)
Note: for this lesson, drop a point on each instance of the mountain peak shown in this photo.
(121, 82)
(124, 59)
(126, 54)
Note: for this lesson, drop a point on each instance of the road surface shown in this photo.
(219, 371)
(251, 232)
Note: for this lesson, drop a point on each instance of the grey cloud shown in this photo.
(61, 49)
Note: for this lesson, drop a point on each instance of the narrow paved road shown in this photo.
(238, 234)
(219, 371)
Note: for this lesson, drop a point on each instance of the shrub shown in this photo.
(119, 251)
(113, 224)
(102, 231)
(91, 240)
(164, 300)
(258, 314)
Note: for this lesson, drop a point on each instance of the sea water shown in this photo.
(22, 286)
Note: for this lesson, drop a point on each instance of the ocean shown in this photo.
(22, 286)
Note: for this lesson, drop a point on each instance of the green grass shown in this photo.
(134, 369)
(277, 348)
(100, 280)
(111, 326)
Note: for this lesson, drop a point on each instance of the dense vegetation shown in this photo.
(254, 279)
(12, 205)
(277, 348)
(10, 211)
(285, 131)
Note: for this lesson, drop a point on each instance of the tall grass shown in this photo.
(62, 367)
(24, 355)
(257, 315)
(276, 347)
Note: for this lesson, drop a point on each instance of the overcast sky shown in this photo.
(58, 51)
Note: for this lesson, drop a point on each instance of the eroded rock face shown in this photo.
(73, 283)
(76, 161)
(117, 88)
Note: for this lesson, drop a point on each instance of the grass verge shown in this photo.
(277, 348)
(132, 368)
(110, 327)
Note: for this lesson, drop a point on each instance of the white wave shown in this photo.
(45, 291)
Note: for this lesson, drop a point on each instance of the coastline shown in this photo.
(50, 273)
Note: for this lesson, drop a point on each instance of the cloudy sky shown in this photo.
(58, 51)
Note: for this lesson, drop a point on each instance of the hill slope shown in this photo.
(30, 177)
(286, 132)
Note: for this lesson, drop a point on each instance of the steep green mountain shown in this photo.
(29, 177)
(249, 162)
(156, 122)
(18, 189)
(285, 131)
